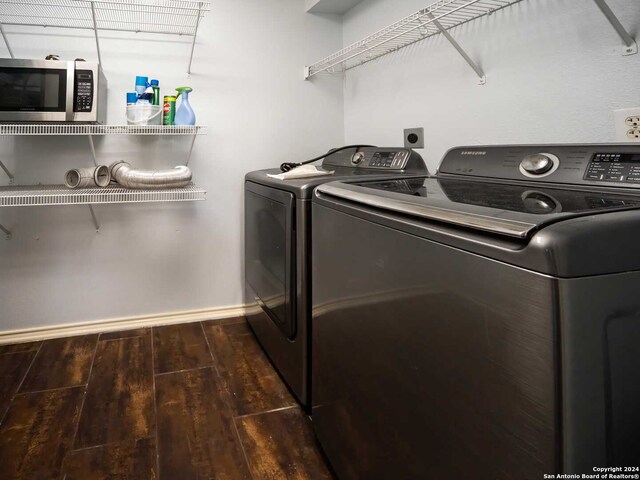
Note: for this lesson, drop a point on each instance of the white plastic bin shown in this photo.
(144, 114)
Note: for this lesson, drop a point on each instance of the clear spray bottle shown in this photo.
(185, 114)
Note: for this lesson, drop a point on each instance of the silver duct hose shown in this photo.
(88, 177)
(128, 177)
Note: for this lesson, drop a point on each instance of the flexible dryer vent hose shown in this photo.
(128, 177)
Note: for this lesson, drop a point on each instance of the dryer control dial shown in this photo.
(357, 158)
(539, 164)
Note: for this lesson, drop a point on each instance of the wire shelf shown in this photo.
(28, 196)
(174, 17)
(70, 129)
(414, 28)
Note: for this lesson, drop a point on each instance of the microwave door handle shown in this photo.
(71, 86)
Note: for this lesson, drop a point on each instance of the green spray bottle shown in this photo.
(185, 114)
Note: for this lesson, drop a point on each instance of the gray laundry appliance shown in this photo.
(484, 324)
(278, 252)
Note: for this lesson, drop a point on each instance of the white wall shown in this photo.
(159, 258)
(554, 74)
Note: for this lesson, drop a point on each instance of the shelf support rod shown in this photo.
(193, 140)
(631, 47)
(94, 218)
(456, 45)
(7, 233)
(6, 40)
(6, 170)
(93, 150)
(95, 31)
(195, 33)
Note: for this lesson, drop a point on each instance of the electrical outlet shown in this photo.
(632, 121)
(633, 134)
(627, 123)
(414, 138)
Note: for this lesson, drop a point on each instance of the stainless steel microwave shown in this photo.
(52, 91)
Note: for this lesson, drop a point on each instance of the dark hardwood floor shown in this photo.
(193, 401)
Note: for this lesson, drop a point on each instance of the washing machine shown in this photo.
(278, 252)
(484, 324)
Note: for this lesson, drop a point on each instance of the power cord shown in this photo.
(285, 167)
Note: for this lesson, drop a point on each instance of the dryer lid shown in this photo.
(511, 210)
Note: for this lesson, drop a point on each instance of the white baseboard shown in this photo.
(115, 324)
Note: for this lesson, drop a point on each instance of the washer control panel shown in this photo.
(614, 167)
(572, 164)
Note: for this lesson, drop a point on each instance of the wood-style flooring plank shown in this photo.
(119, 400)
(137, 332)
(37, 433)
(20, 347)
(252, 384)
(180, 347)
(60, 363)
(13, 368)
(281, 445)
(129, 460)
(196, 435)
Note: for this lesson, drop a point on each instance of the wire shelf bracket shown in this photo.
(630, 46)
(93, 150)
(6, 40)
(6, 170)
(438, 18)
(94, 218)
(95, 33)
(195, 33)
(192, 143)
(169, 17)
(481, 75)
(7, 232)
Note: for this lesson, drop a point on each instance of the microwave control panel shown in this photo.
(83, 101)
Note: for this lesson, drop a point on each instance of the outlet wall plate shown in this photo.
(633, 134)
(627, 123)
(414, 137)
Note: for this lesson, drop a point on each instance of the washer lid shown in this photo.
(511, 210)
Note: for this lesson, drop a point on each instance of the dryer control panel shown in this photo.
(393, 160)
(375, 158)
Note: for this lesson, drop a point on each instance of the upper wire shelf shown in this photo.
(439, 17)
(174, 17)
(70, 129)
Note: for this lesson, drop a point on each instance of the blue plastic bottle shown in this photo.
(185, 114)
(141, 84)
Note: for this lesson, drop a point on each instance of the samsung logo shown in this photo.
(472, 152)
